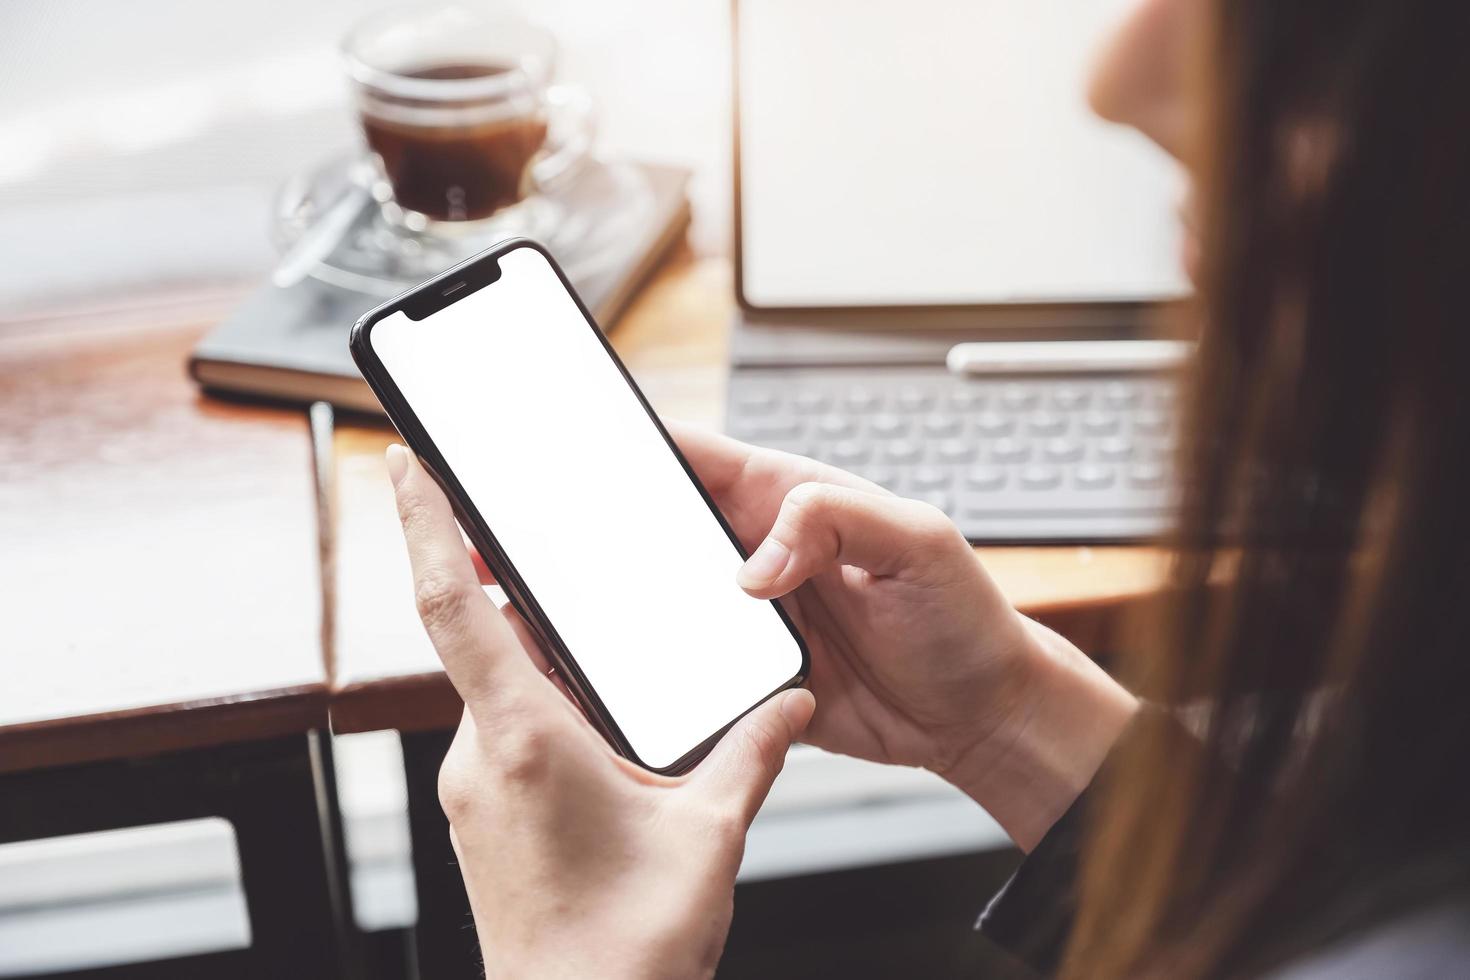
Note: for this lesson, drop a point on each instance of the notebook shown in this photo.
(290, 344)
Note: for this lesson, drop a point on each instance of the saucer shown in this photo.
(581, 218)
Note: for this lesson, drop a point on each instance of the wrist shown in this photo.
(1064, 720)
(646, 940)
(614, 958)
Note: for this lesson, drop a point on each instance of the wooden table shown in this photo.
(386, 675)
(162, 618)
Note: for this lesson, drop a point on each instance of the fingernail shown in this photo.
(796, 709)
(763, 567)
(397, 457)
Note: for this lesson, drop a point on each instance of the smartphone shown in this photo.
(590, 518)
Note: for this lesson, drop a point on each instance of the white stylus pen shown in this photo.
(1010, 357)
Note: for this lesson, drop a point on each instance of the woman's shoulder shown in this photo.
(1428, 943)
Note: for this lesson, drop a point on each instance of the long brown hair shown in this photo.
(1318, 628)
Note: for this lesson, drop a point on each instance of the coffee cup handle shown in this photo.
(569, 136)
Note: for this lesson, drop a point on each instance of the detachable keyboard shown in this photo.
(1071, 457)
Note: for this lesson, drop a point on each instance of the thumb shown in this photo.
(746, 761)
(821, 525)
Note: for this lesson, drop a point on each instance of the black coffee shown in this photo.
(455, 173)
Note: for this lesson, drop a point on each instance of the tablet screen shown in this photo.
(928, 152)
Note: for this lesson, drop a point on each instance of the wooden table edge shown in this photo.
(155, 729)
(408, 702)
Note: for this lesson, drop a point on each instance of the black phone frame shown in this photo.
(430, 297)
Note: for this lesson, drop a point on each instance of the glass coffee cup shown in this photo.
(460, 113)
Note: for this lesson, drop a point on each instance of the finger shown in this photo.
(739, 771)
(482, 570)
(538, 657)
(821, 526)
(717, 460)
(528, 639)
(479, 650)
(724, 464)
(747, 483)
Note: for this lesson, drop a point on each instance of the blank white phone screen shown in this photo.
(586, 499)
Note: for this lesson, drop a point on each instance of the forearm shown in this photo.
(563, 964)
(616, 953)
(1066, 720)
(659, 928)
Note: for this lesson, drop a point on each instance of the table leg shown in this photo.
(271, 791)
(445, 945)
(334, 841)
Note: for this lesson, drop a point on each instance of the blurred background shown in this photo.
(247, 595)
(144, 142)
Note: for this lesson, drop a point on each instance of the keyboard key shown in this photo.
(756, 401)
(1165, 448)
(863, 399)
(1008, 450)
(811, 401)
(1100, 423)
(1092, 476)
(930, 478)
(1151, 423)
(985, 477)
(903, 451)
(836, 426)
(914, 399)
(1063, 450)
(1068, 398)
(1047, 424)
(943, 425)
(785, 428)
(1121, 395)
(1146, 475)
(1115, 447)
(889, 425)
(967, 398)
(1019, 397)
(1038, 477)
(994, 424)
(956, 451)
(849, 452)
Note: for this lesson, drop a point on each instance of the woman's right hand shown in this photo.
(917, 658)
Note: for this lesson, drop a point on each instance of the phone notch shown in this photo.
(432, 298)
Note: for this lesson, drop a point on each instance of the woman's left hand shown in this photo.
(577, 862)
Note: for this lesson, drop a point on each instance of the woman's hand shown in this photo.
(577, 862)
(917, 658)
